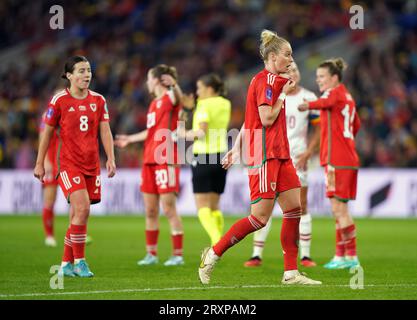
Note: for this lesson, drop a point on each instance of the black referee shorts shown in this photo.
(208, 174)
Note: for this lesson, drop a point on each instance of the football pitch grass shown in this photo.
(387, 249)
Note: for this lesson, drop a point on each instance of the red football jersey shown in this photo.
(339, 125)
(262, 143)
(162, 120)
(53, 144)
(77, 122)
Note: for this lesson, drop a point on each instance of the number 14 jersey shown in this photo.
(339, 125)
(77, 122)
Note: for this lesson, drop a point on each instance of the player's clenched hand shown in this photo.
(188, 101)
(230, 158)
(39, 172)
(289, 86)
(302, 161)
(111, 168)
(303, 106)
(121, 140)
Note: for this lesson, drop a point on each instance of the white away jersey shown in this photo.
(297, 121)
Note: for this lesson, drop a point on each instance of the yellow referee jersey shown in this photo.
(215, 111)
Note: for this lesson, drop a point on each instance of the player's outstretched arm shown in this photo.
(107, 140)
(45, 138)
(123, 140)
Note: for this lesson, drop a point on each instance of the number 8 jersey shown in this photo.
(77, 123)
(339, 126)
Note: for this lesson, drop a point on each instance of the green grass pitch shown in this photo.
(387, 249)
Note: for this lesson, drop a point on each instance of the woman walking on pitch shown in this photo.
(80, 116)
(271, 172)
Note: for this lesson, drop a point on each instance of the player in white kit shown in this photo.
(301, 151)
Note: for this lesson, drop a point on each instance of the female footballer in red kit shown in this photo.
(79, 115)
(160, 172)
(339, 125)
(266, 152)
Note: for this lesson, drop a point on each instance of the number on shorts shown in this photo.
(83, 123)
(161, 178)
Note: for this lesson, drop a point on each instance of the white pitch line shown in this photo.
(40, 294)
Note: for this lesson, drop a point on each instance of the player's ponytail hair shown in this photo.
(214, 81)
(336, 66)
(70, 63)
(270, 42)
(162, 69)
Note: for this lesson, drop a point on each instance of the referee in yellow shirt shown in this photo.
(209, 133)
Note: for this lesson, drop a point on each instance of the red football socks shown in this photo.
(349, 239)
(177, 240)
(236, 233)
(68, 256)
(151, 241)
(78, 236)
(340, 246)
(48, 221)
(289, 237)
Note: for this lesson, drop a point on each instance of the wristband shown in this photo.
(282, 96)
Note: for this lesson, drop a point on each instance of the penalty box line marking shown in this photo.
(40, 294)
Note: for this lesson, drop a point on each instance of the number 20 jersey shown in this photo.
(339, 125)
(77, 123)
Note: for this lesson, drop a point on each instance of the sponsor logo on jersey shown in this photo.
(50, 113)
(71, 109)
(268, 93)
(158, 104)
(93, 107)
(77, 180)
(82, 108)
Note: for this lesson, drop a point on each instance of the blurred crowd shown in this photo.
(123, 39)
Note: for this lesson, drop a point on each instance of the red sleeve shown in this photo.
(53, 114)
(356, 124)
(104, 117)
(267, 94)
(326, 101)
(264, 93)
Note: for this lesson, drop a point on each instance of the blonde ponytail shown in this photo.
(270, 42)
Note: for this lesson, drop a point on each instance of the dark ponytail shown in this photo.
(335, 66)
(214, 81)
(69, 65)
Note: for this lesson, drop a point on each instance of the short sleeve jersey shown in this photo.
(215, 111)
(162, 119)
(262, 143)
(77, 124)
(53, 144)
(339, 126)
